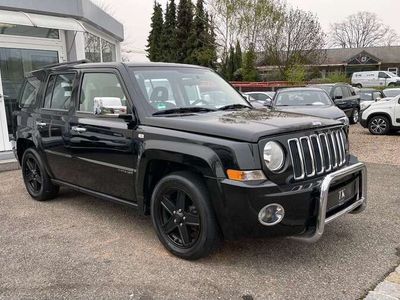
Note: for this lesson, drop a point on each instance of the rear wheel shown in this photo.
(355, 116)
(182, 216)
(359, 85)
(36, 179)
(392, 84)
(379, 125)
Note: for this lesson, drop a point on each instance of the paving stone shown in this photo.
(394, 277)
(389, 288)
(379, 296)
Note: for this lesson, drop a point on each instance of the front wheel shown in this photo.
(355, 116)
(182, 216)
(379, 125)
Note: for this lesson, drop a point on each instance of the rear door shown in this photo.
(104, 148)
(52, 120)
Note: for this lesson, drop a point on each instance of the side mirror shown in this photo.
(108, 107)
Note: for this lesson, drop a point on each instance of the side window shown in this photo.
(101, 87)
(29, 92)
(383, 75)
(338, 94)
(346, 92)
(59, 91)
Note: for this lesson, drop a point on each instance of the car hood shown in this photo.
(330, 112)
(243, 125)
(385, 102)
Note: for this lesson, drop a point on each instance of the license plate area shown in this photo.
(340, 194)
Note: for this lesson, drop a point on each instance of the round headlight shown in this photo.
(274, 156)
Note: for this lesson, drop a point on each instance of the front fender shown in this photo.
(199, 157)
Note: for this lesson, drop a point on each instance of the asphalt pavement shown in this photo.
(77, 246)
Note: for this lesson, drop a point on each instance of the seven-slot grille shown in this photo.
(318, 153)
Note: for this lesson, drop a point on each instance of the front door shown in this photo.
(103, 148)
(4, 139)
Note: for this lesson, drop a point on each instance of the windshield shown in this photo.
(169, 88)
(391, 93)
(302, 98)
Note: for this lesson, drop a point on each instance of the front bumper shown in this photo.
(357, 206)
(305, 205)
(363, 122)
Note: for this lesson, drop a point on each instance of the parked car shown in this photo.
(344, 97)
(191, 152)
(390, 93)
(374, 78)
(369, 96)
(310, 101)
(382, 117)
(263, 98)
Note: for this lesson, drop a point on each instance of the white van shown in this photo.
(374, 79)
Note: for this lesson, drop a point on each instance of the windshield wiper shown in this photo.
(234, 106)
(182, 110)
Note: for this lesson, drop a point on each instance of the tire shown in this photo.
(355, 116)
(182, 216)
(379, 125)
(391, 85)
(359, 85)
(36, 179)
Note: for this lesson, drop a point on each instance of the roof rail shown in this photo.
(69, 63)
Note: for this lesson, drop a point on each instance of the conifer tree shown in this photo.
(183, 30)
(154, 47)
(250, 72)
(230, 67)
(169, 44)
(202, 39)
(238, 56)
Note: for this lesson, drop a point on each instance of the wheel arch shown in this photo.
(380, 114)
(22, 145)
(156, 162)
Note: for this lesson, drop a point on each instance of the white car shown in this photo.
(374, 79)
(382, 116)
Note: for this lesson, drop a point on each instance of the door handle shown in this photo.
(78, 129)
(41, 124)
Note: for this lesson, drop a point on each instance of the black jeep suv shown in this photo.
(178, 143)
(345, 97)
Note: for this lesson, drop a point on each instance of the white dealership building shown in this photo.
(35, 33)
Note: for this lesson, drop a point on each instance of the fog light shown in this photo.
(271, 214)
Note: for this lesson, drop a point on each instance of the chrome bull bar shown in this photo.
(358, 206)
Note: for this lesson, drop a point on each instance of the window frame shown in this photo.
(130, 107)
(52, 92)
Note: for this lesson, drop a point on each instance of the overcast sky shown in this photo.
(136, 14)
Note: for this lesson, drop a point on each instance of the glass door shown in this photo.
(4, 140)
(14, 64)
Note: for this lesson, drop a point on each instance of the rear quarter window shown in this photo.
(29, 92)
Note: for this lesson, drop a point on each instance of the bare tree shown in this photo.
(295, 38)
(363, 29)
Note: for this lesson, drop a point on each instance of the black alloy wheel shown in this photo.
(33, 175)
(36, 179)
(379, 125)
(179, 218)
(182, 216)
